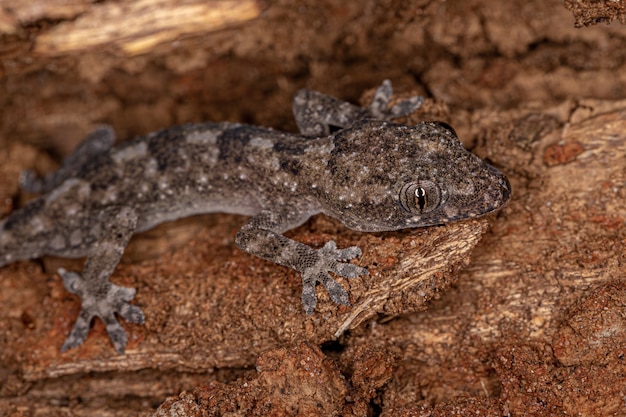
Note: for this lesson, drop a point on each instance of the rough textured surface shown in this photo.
(295, 380)
(516, 334)
(590, 12)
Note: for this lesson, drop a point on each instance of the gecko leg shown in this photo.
(99, 297)
(262, 237)
(315, 112)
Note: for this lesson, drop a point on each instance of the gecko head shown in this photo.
(389, 176)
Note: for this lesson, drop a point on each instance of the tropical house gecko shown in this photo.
(371, 174)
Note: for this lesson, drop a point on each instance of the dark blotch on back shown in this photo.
(163, 147)
(232, 143)
(99, 174)
(290, 165)
(289, 148)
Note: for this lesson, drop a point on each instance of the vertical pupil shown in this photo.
(420, 194)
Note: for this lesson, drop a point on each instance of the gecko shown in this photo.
(348, 162)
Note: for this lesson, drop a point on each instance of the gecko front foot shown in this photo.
(104, 302)
(380, 105)
(330, 259)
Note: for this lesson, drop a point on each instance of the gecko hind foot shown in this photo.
(330, 259)
(104, 302)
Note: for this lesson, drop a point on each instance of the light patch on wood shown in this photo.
(136, 27)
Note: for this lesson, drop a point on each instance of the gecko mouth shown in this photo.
(505, 189)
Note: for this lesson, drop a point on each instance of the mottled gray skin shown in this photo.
(372, 175)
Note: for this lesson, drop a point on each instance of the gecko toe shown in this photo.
(79, 332)
(72, 281)
(405, 107)
(349, 270)
(379, 107)
(309, 298)
(348, 253)
(132, 314)
(336, 292)
(116, 334)
(123, 293)
(330, 251)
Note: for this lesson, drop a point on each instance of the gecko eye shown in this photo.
(419, 197)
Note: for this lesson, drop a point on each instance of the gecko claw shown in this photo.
(79, 332)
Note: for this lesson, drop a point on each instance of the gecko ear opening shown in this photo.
(447, 127)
